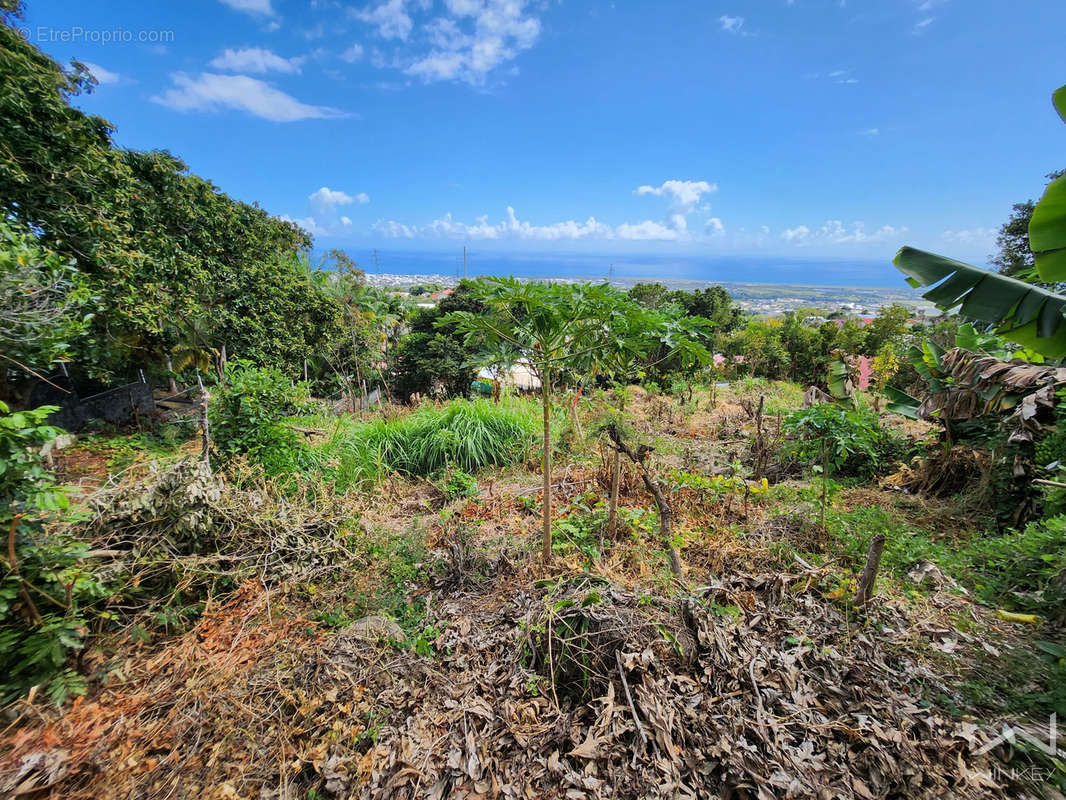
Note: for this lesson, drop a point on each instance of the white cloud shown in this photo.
(985, 237)
(262, 7)
(307, 223)
(103, 76)
(836, 232)
(393, 229)
(731, 24)
(683, 199)
(390, 18)
(480, 36)
(353, 53)
(683, 195)
(509, 228)
(647, 230)
(513, 228)
(324, 203)
(870, 132)
(922, 24)
(256, 59)
(211, 92)
(330, 197)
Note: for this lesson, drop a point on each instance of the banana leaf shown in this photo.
(1047, 227)
(1021, 312)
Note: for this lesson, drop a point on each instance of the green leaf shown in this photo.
(1059, 101)
(1047, 232)
(899, 402)
(1021, 312)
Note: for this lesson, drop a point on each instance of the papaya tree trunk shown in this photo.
(545, 398)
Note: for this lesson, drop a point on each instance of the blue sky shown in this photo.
(800, 128)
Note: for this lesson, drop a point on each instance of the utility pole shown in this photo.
(610, 273)
(464, 262)
(377, 266)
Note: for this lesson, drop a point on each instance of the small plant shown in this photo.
(851, 442)
(246, 415)
(457, 484)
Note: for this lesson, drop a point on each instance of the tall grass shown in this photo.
(466, 434)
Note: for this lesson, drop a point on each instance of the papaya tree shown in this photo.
(548, 327)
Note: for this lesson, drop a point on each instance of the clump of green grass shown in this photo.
(468, 435)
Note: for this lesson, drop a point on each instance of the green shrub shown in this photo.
(1020, 570)
(43, 592)
(457, 483)
(852, 441)
(467, 435)
(246, 414)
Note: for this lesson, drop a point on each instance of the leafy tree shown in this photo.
(712, 304)
(434, 356)
(173, 264)
(549, 326)
(42, 299)
(1021, 312)
(650, 295)
(887, 329)
(1014, 257)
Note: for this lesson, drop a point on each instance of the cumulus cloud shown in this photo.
(256, 59)
(103, 76)
(465, 41)
(324, 204)
(683, 195)
(212, 92)
(512, 228)
(509, 228)
(683, 198)
(647, 230)
(478, 37)
(834, 231)
(259, 7)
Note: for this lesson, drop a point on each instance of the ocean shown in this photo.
(629, 268)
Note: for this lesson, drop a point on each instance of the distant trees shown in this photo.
(1014, 258)
(434, 357)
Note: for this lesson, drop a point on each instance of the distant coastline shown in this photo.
(762, 298)
(675, 270)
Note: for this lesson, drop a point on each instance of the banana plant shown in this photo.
(1020, 312)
